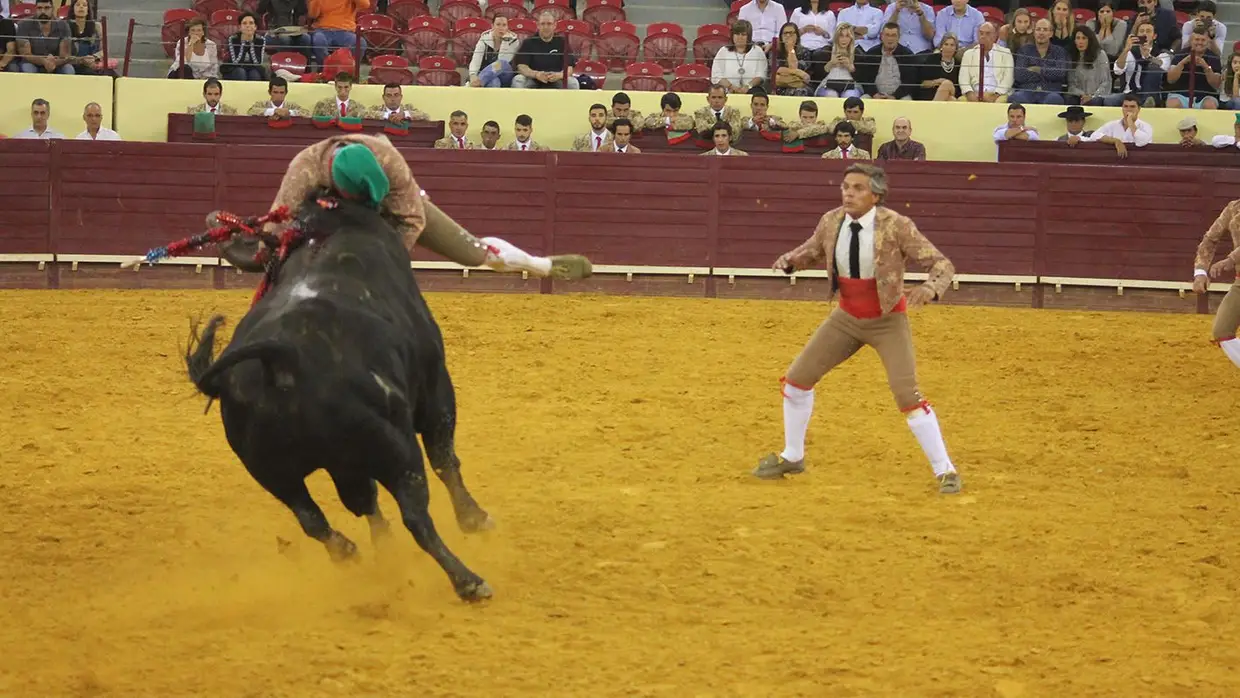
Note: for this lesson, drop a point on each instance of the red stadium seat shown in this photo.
(558, 9)
(992, 14)
(691, 77)
(1126, 15)
(63, 12)
(598, 12)
(465, 36)
(427, 36)
(617, 44)
(580, 35)
(1082, 15)
(207, 8)
(390, 69)
(665, 28)
(223, 24)
(837, 6)
(665, 48)
(523, 27)
(595, 69)
(738, 4)
(1037, 12)
(453, 11)
(713, 30)
(291, 61)
(1181, 18)
(709, 41)
(439, 71)
(21, 10)
(380, 33)
(512, 9)
(404, 10)
(644, 77)
(174, 28)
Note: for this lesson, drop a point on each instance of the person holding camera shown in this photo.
(1205, 21)
(1195, 75)
(1141, 67)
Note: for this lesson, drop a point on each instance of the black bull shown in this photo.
(340, 365)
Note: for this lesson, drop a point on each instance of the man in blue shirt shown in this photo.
(961, 20)
(1040, 69)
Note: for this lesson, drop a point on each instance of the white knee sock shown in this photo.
(505, 256)
(798, 406)
(925, 427)
(1231, 348)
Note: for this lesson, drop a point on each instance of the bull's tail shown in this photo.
(204, 370)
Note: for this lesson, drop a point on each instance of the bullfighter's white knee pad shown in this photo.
(505, 256)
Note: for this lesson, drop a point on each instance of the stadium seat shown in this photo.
(617, 44)
(380, 33)
(404, 10)
(453, 11)
(512, 9)
(390, 69)
(711, 38)
(644, 77)
(665, 46)
(595, 69)
(1181, 17)
(992, 13)
(598, 12)
(207, 8)
(465, 36)
(250, 6)
(438, 71)
(691, 77)
(580, 35)
(1082, 15)
(1126, 15)
(523, 27)
(63, 12)
(1037, 12)
(558, 9)
(837, 6)
(713, 30)
(21, 10)
(223, 24)
(174, 28)
(426, 36)
(291, 61)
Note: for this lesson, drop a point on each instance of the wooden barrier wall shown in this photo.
(721, 219)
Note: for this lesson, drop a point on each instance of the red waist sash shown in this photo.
(859, 298)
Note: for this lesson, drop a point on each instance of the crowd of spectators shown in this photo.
(64, 40)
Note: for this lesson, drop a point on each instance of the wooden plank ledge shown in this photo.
(118, 259)
(39, 258)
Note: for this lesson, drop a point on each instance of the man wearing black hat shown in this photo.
(1075, 116)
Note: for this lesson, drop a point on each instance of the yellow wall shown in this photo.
(951, 131)
(67, 95)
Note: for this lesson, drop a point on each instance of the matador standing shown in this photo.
(1227, 317)
(370, 168)
(865, 247)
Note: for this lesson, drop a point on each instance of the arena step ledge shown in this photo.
(73, 260)
(732, 272)
(41, 259)
(1182, 287)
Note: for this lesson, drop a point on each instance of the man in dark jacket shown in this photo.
(284, 20)
(889, 70)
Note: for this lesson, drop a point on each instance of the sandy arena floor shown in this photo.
(1093, 553)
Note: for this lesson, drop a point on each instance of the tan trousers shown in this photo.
(1227, 317)
(841, 335)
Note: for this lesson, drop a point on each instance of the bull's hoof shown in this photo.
(476, 522)
(342, 549)
(475, 592)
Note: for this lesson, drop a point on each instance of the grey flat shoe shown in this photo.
(774, 467)
(570, 267)
(949, 483)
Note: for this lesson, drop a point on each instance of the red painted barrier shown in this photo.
(1154, 154)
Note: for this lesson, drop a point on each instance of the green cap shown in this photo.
(204, 122)
(1238, 117)
(357, 174)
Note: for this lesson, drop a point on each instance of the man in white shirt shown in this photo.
(866, 21)
(95, 130)
(1015, 129)
(997, 80)
(277, 104)
(523, 129)
(1216, 30)
(40, 112)
(766, 17)
(1224, 141)
(916, 22)
(1128, 129)
(490, 136)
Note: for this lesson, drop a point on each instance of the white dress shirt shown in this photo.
(597, 139)
(621, 148)
(715, 151)
(1001, 133)
(271, 109)
(866, 251)
(1115, 129)
(387, 113)
(341, 105)
(105, 134)
(766, 22)
(824, 20)
(866, 16)
(522, 145)
(47, 134)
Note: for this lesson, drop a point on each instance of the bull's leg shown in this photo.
(360, 495)
(437, 424)
(297, 498)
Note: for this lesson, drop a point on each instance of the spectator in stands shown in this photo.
(1142, 69)
(523, 129)
(284, 19)
(212, 94)
(40, 112)
(705, 120)
(793, 64)
(960, 20)
(1224, 141)
(491, 64)
(765, 18)
(622, 108)
(1166, 26)
(8, 45)
(277, 104)
(246, 50)
(1015, 129)
(1063, 24)
(44, 42)
(392, 108)
(940, 74)
(1089, 80)
(622, 131)
(598, 136)
(889, 70)
(844, 148)
(721, 133)
(841, 68)
(1203, 75)
(335, 26)
(1188, 132)
(1074, 121)
(997, 81)
(669, 117)
(342, 104)
(1229, 88)
(902, 146)
(915, 22)
(544, 59)
(741, 64)
(1215, 30)
(1110, 31)
(92, 115)
(854, 113)
(760, 118)
(1040, 68)
(816, 23)
(1127, 129)
(864, 21)
(203, 55)
(490, 136)
(1018, 32)
(808, 125)
(86, 50)
(458, 126)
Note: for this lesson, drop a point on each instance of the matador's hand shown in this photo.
(1222, 267)
(1201, 283)
(920, 296)
(784, 264)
